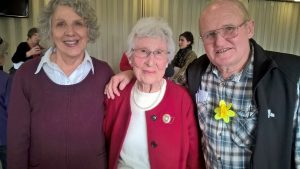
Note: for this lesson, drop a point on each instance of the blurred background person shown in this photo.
(27, 50)
(5, 82)
(183, 57)
(152, 113)
(56, 111)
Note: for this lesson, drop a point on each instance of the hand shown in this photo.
(117, 83)
(34, 51)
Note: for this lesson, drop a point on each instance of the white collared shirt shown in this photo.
(55, 73)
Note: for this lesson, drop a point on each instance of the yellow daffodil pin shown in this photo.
(224, 112)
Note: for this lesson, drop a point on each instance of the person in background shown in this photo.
(5, 82)
(152, 123)
(183, 57)
(247, 97)
(27, 50)
(3, 52)
(56, 110)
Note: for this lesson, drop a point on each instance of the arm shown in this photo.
(24, 52)
(117, 83)
(18, 135)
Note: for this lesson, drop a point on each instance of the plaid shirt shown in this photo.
(227, 145)
(230, 145)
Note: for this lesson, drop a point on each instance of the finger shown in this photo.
(109, 90)
(115, 85)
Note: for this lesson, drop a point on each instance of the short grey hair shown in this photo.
(81, 7)
(151, 27)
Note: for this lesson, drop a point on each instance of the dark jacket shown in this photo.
(275, 80)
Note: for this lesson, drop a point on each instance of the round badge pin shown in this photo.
(166, 118)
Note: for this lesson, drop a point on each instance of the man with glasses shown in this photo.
(247, 98)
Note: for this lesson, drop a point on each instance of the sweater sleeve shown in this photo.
(20, 54)
(18, 124)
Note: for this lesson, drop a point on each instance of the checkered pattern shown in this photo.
(227, 145)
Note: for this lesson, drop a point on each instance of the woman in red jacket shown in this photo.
(151, 124)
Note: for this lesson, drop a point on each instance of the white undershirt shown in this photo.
(134, 153)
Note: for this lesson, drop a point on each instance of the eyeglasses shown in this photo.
(227, 32)
(144, 53)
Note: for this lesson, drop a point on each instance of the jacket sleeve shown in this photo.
(18, 124)
(195, 155)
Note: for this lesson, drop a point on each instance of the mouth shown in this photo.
(71, 42)
(222, 50)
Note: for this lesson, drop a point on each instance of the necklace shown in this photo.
(154, 102)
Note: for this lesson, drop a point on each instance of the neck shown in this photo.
(150, 88)
(67, 64)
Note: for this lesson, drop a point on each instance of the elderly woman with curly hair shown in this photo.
(57, 122)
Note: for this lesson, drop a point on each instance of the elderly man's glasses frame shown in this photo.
(227, 32)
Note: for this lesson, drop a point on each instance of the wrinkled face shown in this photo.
(69, 32)
(35, 39)
(149, 70)
(222, 51)
(183, 43)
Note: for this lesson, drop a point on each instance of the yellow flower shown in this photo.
(224, 112)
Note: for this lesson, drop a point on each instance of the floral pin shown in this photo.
(224, 112)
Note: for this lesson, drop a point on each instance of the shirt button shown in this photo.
(153, 117)
(153, 144)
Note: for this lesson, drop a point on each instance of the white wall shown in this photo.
(277, 24)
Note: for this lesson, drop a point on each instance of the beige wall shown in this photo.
(277, 24)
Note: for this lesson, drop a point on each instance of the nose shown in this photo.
(219, 39)
(69, 30)
(150, 59)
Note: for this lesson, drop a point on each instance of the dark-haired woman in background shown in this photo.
(183, 57)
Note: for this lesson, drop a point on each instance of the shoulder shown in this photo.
(30, 65)
(99, 64)
(3, 76)
(102, 67)
(23, 44)
(176, 91)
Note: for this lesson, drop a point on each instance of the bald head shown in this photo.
(217, 6)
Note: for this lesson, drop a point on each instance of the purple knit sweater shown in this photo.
(53, 126)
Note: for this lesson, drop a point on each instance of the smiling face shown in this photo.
(69, 32)
(230, 53)
(151, 69)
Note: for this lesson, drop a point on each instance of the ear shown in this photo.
(250, 28)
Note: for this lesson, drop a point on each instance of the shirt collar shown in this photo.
(46, 60)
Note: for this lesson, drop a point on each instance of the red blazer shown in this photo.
(173, 145)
